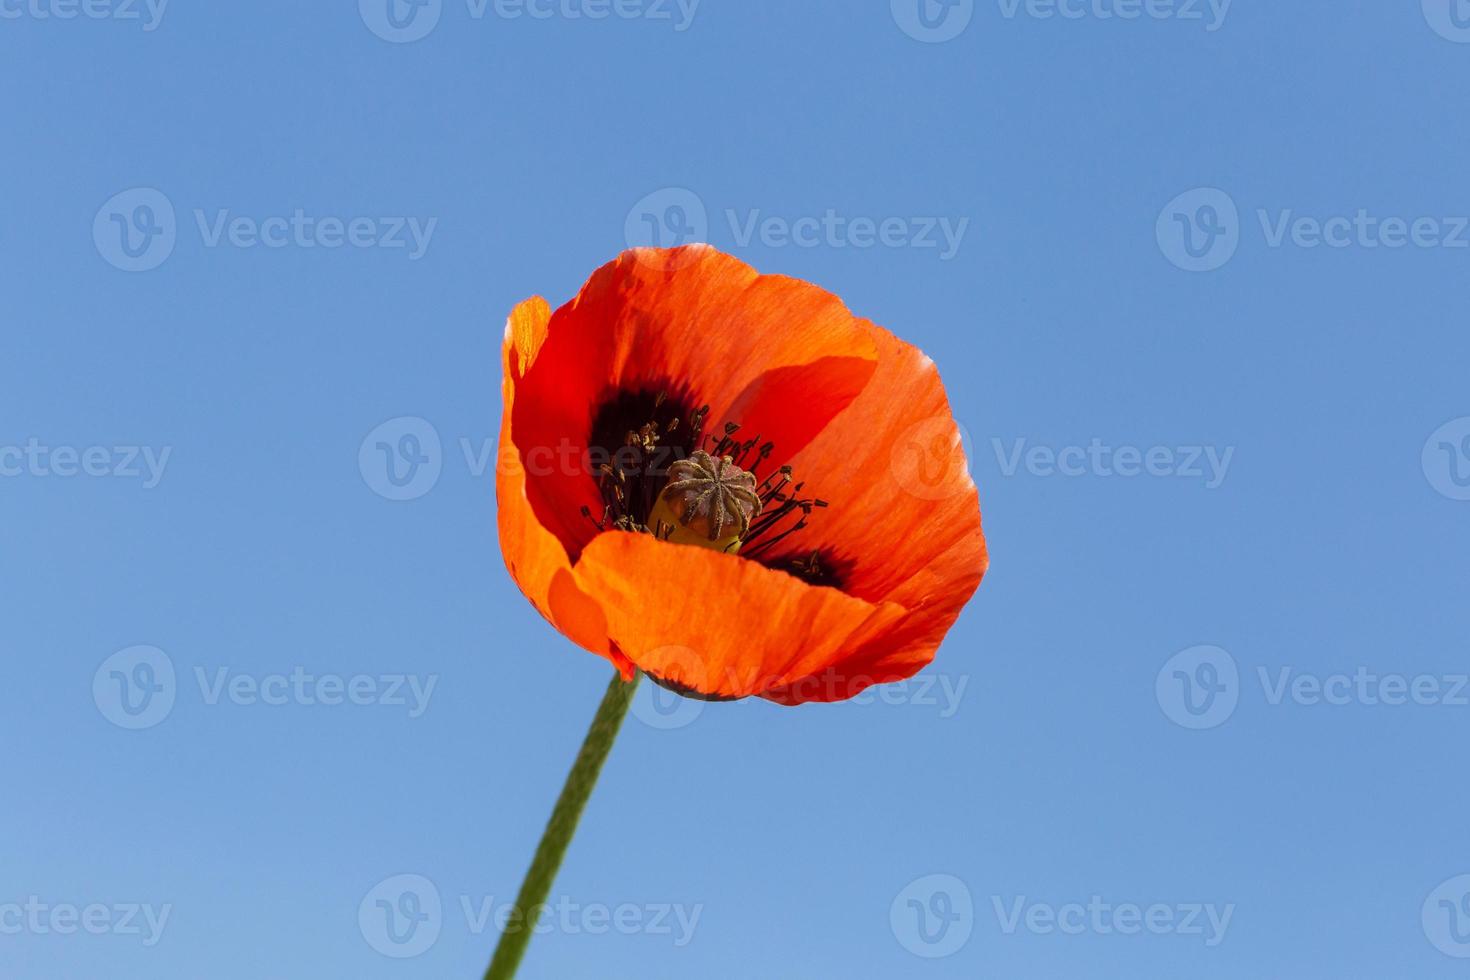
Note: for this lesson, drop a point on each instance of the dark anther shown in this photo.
(637, 434)
(812, 567)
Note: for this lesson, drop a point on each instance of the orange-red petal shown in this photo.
(903, 520)
(720, 625)
(533, 555)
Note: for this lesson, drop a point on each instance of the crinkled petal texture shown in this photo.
(861, 417)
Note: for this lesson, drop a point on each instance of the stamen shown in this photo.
(630, 480)
(670, 479)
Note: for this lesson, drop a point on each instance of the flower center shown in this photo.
(707, 501)
(670, 479)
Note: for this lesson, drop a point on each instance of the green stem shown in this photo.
(559, 829)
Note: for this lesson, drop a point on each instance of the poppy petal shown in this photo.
(716, 625)
(903, 521)
(535, 558)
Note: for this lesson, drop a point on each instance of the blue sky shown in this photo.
(1192, 273)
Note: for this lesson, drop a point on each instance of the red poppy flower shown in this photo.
(729, 482)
